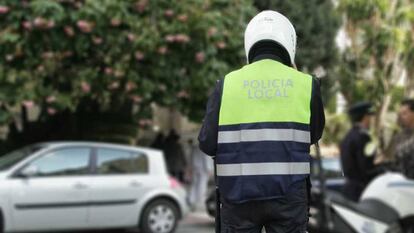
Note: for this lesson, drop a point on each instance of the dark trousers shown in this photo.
(283, 215)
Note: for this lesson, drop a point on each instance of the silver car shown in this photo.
(83, 185)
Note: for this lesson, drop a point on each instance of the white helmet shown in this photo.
(271, 25)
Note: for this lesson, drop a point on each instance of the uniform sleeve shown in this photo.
(209, 131)
(317, 122)
(365, 162)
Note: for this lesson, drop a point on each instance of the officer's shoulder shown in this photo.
(234, 72)
(364, 132)
(354, 132)
(309, 76)
(359, 134)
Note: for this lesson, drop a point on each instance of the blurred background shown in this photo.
(140, 72)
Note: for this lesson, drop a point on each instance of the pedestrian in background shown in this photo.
(174, 155)
(159, 141)
(402, 145)
(357, 151)
(201, 168)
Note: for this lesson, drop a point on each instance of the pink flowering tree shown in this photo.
(87, 62)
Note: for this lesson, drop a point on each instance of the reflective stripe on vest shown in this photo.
(252, 169)
(252, 135)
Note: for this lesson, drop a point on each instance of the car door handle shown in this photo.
(135, 184)
(80, 186)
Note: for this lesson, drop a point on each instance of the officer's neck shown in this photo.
(267, 56)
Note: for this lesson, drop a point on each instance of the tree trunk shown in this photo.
(379, 124)
(409, 88)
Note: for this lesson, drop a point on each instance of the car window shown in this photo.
(12, 158)
(112, 161)
(63, 162)
(332, 168)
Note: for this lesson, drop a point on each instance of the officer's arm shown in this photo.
(364, 159)
(317, 122)
(209, 131)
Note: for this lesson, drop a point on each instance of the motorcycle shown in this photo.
(386, 206)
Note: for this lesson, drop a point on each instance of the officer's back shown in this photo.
(260, 122)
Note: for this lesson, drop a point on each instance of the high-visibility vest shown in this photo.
(264, 131)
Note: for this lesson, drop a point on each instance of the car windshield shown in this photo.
(331, 166)
(12, 158)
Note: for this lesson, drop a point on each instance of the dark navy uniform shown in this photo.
(284, 212)
(357, 155)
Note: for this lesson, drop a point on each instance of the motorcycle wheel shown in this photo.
(395, 228)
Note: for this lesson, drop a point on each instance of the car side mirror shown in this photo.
(29, 171)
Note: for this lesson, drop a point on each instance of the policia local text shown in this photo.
(267, 89)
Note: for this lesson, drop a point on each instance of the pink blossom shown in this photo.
(9, 57)
(136, 99)
(142, 123)
(141, 5)
(108, 70)
(51, 99)
(145, 122)
(162, 50)
(51, 111)
(119, 73)
(212, 31)
(221, 45)
(182, 38)
(182, 18)
(40, 68)
(24, 3)
(47, 55)
(130, 86)
(50, 24)
(69, 31)
(170, 38)
(183, 71)
(200, 57)
(97, 40)
(28, 104)
(40, 22)
(139, 55)
(162, 87)
(67, 53)
(86, 88)
(113, 85)
(85, 26)
(27, 25)
(115, 22)
(4, 10)
(78, 5)
(131, 37)
(169, 13)
(182, 94)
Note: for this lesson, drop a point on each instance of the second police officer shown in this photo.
(357, 151)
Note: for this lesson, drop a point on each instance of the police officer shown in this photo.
(402, 145)
(259, 125)
(357, 151)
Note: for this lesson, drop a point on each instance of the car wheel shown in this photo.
(160, 216)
